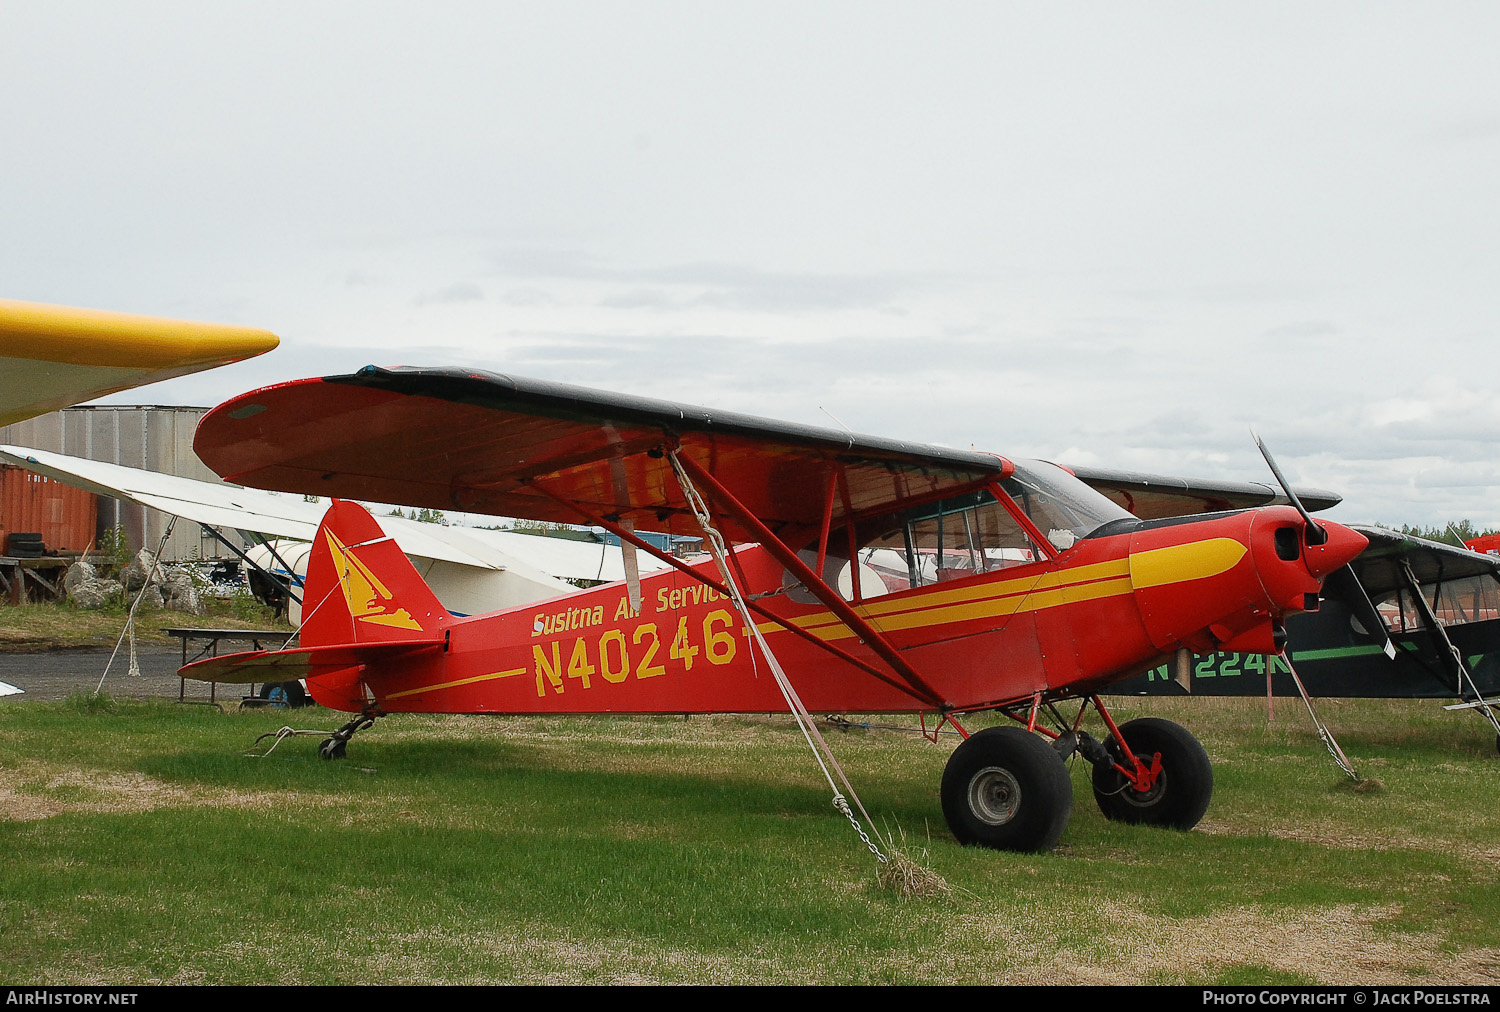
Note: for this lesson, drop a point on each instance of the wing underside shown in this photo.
(1380, 565)
(508, 446)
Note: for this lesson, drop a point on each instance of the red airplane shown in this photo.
(977, 583)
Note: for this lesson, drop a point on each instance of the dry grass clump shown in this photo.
(910, 879)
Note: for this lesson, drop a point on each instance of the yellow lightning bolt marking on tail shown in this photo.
(369, 600)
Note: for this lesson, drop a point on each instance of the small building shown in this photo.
(678, 545)
(154, 438)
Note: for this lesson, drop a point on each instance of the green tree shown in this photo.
(1454, 533)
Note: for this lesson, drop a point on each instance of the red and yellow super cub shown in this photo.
(883, 576)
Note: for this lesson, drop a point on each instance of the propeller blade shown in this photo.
(1315, 533)
(1345, 586)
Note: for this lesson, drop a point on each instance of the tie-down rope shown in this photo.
(815, 742)
(134, 669)
(1323, 732)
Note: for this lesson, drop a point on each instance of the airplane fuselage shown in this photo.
(1107, 608)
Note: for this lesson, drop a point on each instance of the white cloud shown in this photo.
(1120, 233)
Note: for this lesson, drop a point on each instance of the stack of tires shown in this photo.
(25, 546)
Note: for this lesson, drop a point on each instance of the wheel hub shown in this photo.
(994, 795)
(1150, 795)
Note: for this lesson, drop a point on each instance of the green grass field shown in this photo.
(141, 844)
(61, 626)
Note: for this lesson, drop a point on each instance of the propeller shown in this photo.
(1342, 583)
(1313, 532)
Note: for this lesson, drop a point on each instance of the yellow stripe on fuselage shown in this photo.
(1097, 581)
(984, 591)
(449, 685)
(1196, 560)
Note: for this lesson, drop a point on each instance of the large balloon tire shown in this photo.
(1007, 789)
(1179, 797)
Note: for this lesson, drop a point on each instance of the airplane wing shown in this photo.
(243, 509)
(1155, 496)
(289, 516)
(567, 560)
(54, 356)
(504, 445)
(1432, 562)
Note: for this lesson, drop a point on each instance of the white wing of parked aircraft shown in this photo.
(474, 568)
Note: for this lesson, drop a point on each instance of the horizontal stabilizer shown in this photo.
(304, 662)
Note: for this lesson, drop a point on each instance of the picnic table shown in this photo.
(276, 638)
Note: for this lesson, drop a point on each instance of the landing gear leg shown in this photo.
(1169, 784)
(334, 748)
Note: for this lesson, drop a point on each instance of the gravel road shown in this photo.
(56, 674)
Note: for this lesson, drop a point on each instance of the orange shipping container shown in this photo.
(64, 516)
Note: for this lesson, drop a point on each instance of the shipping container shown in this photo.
(153, 438)
(65, 517)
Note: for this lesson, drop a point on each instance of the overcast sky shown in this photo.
(1103, 233)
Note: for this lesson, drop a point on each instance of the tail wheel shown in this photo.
(1007, 789)
(1182, 790)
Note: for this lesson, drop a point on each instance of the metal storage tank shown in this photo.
(155, 438)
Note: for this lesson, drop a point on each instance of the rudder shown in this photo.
(361, 588)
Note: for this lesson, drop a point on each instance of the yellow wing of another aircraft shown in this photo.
(54, 356)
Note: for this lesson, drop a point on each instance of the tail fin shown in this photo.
(361, 588)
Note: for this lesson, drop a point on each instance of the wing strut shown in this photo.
(1452, 657)
(629, 537)
(291, 581)
(814, 583)
(815, 741)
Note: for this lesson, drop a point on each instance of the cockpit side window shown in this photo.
(1453, 602)
(967, 534)
(947, 540)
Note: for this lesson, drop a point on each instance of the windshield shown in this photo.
(968, 534)
(1453, 602)
(1063, 508)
